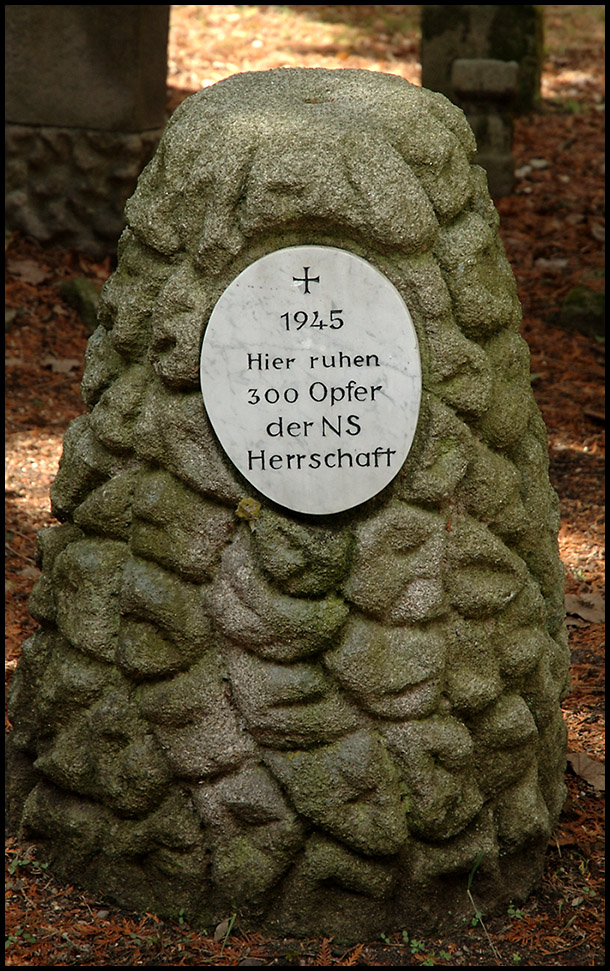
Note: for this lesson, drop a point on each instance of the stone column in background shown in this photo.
(85, 108)
(487, 59)
(486, 91)
(504, 32)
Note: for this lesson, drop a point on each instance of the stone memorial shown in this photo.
(485, 91)
(476, 31)
(488, 60)
(85, 107)
(301, 647)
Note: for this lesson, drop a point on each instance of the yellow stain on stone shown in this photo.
(248, 509)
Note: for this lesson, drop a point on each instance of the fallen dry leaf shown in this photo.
(589, 769)
(61, 365)
(591, 607)
(27, 270)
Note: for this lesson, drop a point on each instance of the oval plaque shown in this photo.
(311, 378)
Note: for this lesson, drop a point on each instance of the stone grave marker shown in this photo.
(487, 59)
(302, 647)
(85, 107)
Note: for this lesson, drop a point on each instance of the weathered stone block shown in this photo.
(85, 105)
(501, 32)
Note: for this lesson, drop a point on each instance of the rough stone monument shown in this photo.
(302, 647)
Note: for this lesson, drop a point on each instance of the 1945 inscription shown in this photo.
(316, 407)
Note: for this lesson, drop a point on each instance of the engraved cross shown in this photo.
(306, 279)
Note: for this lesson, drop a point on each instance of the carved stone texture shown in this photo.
(322, 723)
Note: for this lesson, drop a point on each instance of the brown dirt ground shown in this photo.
(553, 231)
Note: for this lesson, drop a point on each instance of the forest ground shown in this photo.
(552, 226)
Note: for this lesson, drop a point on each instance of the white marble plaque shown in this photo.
(311, 378)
